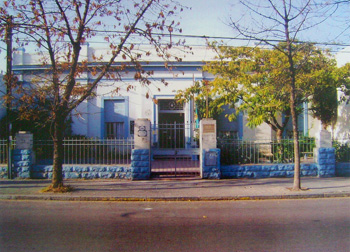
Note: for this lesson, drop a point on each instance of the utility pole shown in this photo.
(206, 83)
(9, 80)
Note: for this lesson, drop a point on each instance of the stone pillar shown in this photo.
(209, 154)
(23, 155)
(324, 154)
(140, 156)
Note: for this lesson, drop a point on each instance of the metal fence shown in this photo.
(87, 151)
(175, 135)
(3, 151)
(342, 150)
(235, 151)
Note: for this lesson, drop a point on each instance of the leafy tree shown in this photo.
(207, 105)
(283, 21)
(59, 30)
(256, 78)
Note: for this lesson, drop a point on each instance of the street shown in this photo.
(269, 225)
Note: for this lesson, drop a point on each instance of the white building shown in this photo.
(111, 114)
(342, 128)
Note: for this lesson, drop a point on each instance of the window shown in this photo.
(115, 130)
(169, 104)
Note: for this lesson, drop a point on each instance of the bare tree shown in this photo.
(279, 23)
(59, 29)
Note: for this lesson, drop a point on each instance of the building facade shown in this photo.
(112, 114)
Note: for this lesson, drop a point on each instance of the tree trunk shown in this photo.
(57, 178)
(279, 135)
(297, 183)
(280, 145)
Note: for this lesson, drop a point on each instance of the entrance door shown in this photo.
(171, 130)
(171, 156)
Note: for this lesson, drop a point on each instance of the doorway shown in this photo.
(171, 129)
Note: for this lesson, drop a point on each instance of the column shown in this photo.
(210, 155)
(324, 154)
(22, 155)
(140, 156)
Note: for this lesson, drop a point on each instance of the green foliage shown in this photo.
(342, 151)
(283, 151)
(324, 105)
(260, 80)
(201, 92)
(235, 151)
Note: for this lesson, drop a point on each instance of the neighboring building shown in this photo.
(113, 115)
(341, 130)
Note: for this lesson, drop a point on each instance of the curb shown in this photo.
(158, 199)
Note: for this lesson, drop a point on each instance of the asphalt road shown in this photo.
(270, 225)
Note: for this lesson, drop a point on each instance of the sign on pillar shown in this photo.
(142, 134)
(210, 155)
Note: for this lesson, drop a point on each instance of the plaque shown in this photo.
(208, 128)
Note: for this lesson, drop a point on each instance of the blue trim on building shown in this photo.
(126, 120)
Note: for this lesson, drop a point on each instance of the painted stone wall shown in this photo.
(326, 162)
(266, 171)
(3, 172)
(211, 164)
(342, 170)
(140, 164)
(83, 171)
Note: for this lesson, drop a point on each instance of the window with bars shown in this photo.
(170, 104)
(115, 130)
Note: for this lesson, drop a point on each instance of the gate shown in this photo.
(175, 150)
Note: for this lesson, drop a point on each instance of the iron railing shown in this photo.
(175, 135)
(236, 151)
(3, 151)
(233, 151)
(87, 151)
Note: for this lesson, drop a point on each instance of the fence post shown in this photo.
(9, 157)
(209, 153)
(22, 155)
(324, 154)
(140, 156)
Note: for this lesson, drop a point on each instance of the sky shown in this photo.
(211, 17)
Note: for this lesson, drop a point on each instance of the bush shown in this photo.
(342, 151)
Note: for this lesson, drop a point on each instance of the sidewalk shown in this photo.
(185, 189)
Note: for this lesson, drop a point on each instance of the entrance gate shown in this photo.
(175, 151)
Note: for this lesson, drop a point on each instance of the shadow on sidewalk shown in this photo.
(23, 183)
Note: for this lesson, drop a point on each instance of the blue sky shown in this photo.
(210, 18)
